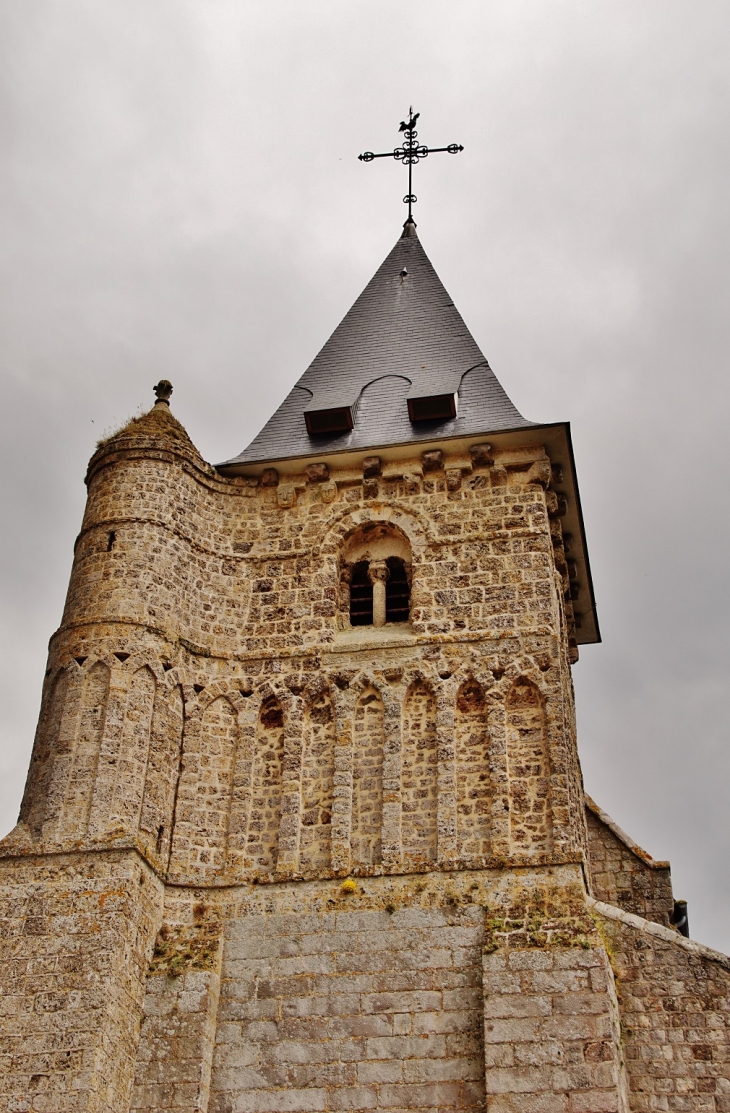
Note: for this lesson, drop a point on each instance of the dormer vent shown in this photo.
(322, 422)
(331, 411)
(434, 407)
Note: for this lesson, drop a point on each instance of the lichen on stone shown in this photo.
(541, 917)
(186, 947)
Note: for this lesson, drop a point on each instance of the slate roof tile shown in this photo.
(402, 337)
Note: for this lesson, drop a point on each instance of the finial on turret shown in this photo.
(163, 390)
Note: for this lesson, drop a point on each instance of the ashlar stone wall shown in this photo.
(442, 991)
(351, 1010)
(77, 937)
(674, 1003)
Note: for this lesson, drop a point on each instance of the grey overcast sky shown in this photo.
(181, 197)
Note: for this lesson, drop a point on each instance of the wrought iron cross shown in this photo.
(409, 153)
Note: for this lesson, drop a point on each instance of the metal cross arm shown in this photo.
(402, 155)
(409, 153)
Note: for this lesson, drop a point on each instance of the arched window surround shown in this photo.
(376, 572)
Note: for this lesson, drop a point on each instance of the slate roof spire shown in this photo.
(400, 367)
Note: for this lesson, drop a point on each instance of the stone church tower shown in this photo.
(304, 827)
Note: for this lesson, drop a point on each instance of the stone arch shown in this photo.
(327, 548)
(413, 525)
(366, 845)
(219, 738)
(203, 807)
(473, 778)
(419, 775)
(230, 687)
(363, 679)
(264, 815)
(249, 705)
(528, 770)
(130, 664)
(133, 755)
(163, 770)
(35, 809)
(124, 752)
(318, 757)
(84, 757)
(376, 565)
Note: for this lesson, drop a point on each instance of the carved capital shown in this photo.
(378, 572)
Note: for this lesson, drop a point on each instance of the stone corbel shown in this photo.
(540, 472)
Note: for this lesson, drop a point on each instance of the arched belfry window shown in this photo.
(361, 595)
(397, 591)
(376, 566)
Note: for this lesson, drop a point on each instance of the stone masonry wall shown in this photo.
(674, 1002)
(175, 1051)
(623, 874)
(304, 771)
(351, 1010)
(274, 567)
(419, 776)
(440, 991)
(239, 566)
(219, 601)
(551, 1017)
(354, 812)
(552, 1032)
(77, 935)
(176, 1043)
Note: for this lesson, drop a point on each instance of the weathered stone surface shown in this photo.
(371, 467)
(271, 860)
(77, 934)
(357, 1010)
(674, 1002)
(625, 875)
(177, 1037)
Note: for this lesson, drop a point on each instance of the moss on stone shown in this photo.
(186, 947)
(125, 427)
(540, 917)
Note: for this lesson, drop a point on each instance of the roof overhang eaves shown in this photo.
(558, 443)
(401, 449)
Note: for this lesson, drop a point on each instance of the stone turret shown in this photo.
(110, 709)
